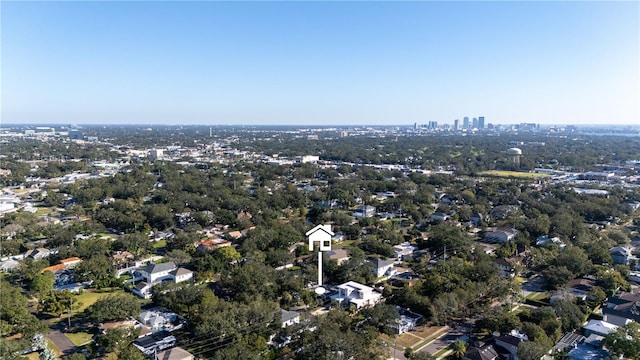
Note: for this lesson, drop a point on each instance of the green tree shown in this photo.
(458, 348)
(625, 341)
(113, 307)
(42, 283)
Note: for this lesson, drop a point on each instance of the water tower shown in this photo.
(514, 155)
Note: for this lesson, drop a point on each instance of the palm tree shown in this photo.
(459, 347)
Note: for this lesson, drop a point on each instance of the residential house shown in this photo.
(402, 251)
(509, 344)
(71, 262)
(575, 289)
(181, 274)
(288, 318)
(585, 351)
(501, 236)
(481, 351)
(143, 289)
(338, 237)
(439, 217)
(155, 342)
(211, 244)
(545, 239)
(620, 255)
(568, 341)
(158, 319)
(381, 267)
(405, 278)
(407, 321)
(9, 265)
(365, 211)
(505, 268)
(598, 327)
(157, 272)
(65, 264)
(37, 254)
(623, 308)
(340, 255)
(358, 295)
(176, 353)
(476, 218)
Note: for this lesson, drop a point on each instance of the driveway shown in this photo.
(62, 343)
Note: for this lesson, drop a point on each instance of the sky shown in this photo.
(319, 63)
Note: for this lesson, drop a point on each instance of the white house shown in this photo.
(500, 235)
(509, 343)
(404, 249)
(157, 272)
(381, 267)
(365, 211)
(598, 327)
(407, 321)
(288, 318)
(358, 295)
(181, 274)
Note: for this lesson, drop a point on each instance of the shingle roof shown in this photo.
(156, 268)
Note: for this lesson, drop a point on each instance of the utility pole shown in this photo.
(70, 310)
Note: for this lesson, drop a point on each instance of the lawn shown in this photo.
(79, 338)
(88, 298)
(513, 174)
(160, 244)
(43, 211)
(537, 296)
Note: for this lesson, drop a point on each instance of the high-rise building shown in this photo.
(481, 122)
(475, 123)
(456, 124)
(465, 122)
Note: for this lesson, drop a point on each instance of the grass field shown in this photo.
(79, 338)
(88, 298)
(513, 174)
(537, 296)
(159, 244)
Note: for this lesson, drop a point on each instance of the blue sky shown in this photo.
(329, 63)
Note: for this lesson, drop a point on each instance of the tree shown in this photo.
(178, 256)
(625, 341)
(458, 348)
(14, 314)
(531, 350)
(557, 276)
(58, 302)
(113, 307)
(42, 283)
(116, 339)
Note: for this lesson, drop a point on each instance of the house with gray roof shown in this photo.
(157, 272)
(288, 318)
(381, 267)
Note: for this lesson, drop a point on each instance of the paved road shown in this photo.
(447, 338)
(61, 341)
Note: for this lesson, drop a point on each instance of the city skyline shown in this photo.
(320, 63)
